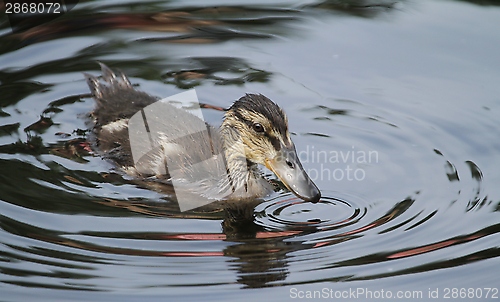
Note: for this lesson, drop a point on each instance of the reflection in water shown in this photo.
(196, 25)
(198, 70)
(260, 256)
(470, 258)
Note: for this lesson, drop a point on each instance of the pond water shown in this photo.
(394, 110)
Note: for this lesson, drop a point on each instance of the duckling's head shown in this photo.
(262, 135)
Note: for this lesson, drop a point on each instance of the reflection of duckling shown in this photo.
(254, 131)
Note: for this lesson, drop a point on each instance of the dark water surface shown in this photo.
(394, 108)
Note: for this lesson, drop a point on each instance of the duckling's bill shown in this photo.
(286, 165)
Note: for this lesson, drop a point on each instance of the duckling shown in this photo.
(254, 132)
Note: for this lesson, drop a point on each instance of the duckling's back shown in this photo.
(116, 102)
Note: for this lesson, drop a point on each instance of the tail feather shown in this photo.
(115, 79)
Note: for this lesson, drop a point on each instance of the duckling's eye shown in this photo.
(258, 127)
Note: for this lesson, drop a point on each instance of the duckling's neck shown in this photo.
(238, 167)
(245, 177)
